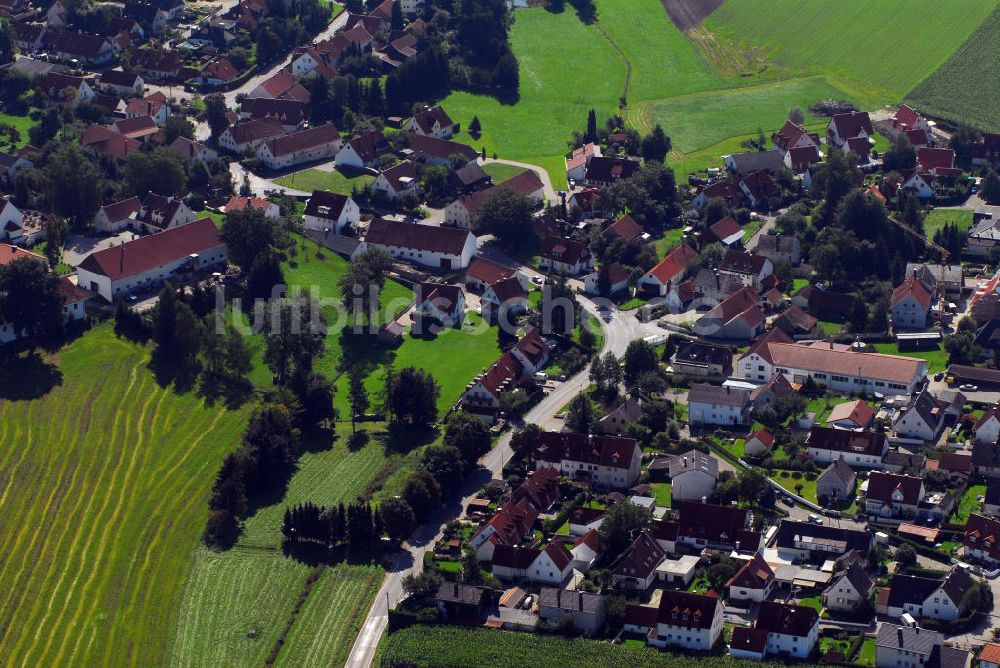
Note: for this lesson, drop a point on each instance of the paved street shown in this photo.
(618, 333)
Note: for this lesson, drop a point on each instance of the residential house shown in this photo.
(694, 358)
(780, 248)
(586, 551)
(483, 273)
(123, 83)
(427, 245)
(11, 164)
(154, 106)
(564, 256)
(508, 526)
(142, 129)
(987, 427)
(330, 211)
(742, 164)
(982, 535)
(738, 317)
(752, 583)
(115, 217)
(854, 415)
(831, 367)
(248, 137)
(668, 272)
(758, 443)
(836, 483)
(624, 228)
(715, 405)
(438, 303)
(617, 420)
(433, 122)
(986, 151)
(825, 304)
(930, 598)
(554, 565)
(725, 231)
(922, 418)
(893, 495)
(55, 83)
(849, 590)
(584, 609)
(908, 119)
(618, 276)
(705, 525)
(578, 159)
(601, 171)
(194, 151)
(986, 458)
(726, 190)
(399, 181)
(363, 150)
(854, 124)
(510, 562)
(677, 573)
(502, 298)
(434, 151)
(826, 445)
(156, 64)
(457, 601)
(910, 304)
(316, 143)
(792, 136)
(583, 520)
(217, 72)
(162, 213)
(914, 647)
(282, 85)
(87, 50)
(146, 14)
(990, 656)
(145, 263)
(240, 203)
(57, 15)
(991, 499)
(105, 140)
(464, 211)
(800, 159)
(692, 476)
(470, 178)
(804, 541)
(635, 568)
(749, 268)
(780, 629)
(796, 323)
(290, 113)
(686, 620)
(757, 188)
(514, 368)
(607, 461)
(930, 274)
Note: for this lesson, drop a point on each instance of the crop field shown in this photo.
(237, 603)
(104, 482)
(966, 88)
(701, 120)
(859, 40)
(423, 646)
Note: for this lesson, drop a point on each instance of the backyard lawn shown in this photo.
(661, 492)
(20, 123)
(969, 504)
(867, 653)
(787, 480)
(318, 179)
(501, 172)
(668, 241)
(937, 360)
(938, 218)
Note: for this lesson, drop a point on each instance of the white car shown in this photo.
(968, 387)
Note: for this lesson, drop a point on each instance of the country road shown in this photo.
(618, 332)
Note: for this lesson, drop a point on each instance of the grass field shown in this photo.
(858, 41)
(237, 603)
(938, 218)
(104, 486)
(319, 179)
(22, 124)
(501, 172)
(969, 504)
(937, 360)
(961, 89)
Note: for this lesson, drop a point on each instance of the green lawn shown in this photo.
(668, 242)
(788, 482)
(969, 503)
(867, 653)
(813, 38)
(799, 283)
(104, 486)
(501, 172)
(318, 179)
(217, 218)
(937, 360)
(701, 120)
(661, 492)
(812, 602)
(957, 90)
(22, 124)
(938, 218)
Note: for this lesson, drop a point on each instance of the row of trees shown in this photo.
(357, 525)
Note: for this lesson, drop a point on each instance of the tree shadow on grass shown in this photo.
(27, 378)
(585, 9)
(318, 439)
(167, 371)
(399, 440)
(314, 554)
(232, 394)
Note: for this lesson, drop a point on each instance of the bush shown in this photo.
(796, 475)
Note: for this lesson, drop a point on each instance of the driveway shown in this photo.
(79, 246)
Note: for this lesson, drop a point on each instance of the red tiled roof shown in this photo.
(610, 451)
(237, 203)
(488, 271)
(303, 140)
(263, 128)
(786, 619)
(881, 486)
(568, 251)
(983, 533)
(146, 253)
(425, 119)
(559, 555)
(755, 574)
(518, 558)
(9, 253)
(123, 209)
(764, 436)
(674, 264)
(625, 228)
(935, 158)
(414, 235)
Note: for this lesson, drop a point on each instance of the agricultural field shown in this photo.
(859, 41)
(237, 603)
(423, 647)
(110, 500)
(965, 87)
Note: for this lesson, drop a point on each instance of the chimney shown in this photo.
(121, 256)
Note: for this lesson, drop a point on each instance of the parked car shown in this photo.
(968, 387)
(815, 519)
(938, 376)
